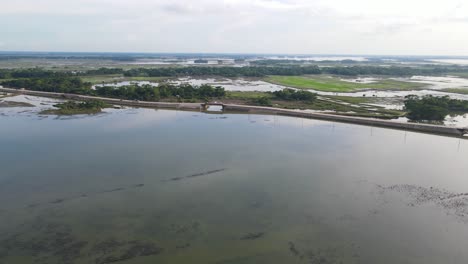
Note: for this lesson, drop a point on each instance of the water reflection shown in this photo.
(279, 190)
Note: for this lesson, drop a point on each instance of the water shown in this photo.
(440, 82)
(239, 84)
(250, 189)
(245, 85)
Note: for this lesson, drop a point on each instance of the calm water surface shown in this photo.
(145, 186)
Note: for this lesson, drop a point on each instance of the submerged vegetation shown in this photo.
(75, 108)
(433, 108)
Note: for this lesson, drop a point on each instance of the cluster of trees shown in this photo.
(294, 95)
(155, 93)
(61, 84)
(74, 105)
(433, 108)
(286, 95)
(73, 108)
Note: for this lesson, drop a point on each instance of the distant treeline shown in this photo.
(4, 57)
(252, 71)
(42, 73)
(267, 62)
(291, 70)
(222, 71)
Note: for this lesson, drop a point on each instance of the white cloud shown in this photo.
(260, 26)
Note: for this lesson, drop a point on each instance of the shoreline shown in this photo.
(422, 128)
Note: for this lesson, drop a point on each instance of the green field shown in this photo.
(333, 84)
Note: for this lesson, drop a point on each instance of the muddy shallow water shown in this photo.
(146, 186)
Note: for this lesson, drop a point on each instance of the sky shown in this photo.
(379, 27)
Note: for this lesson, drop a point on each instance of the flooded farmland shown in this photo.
(143, 186)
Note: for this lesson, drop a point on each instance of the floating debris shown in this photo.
(57, 201)
(454, 203)
(86, 195)
(116, 251)
(252, 236)
(293, 249)
(197, 175)
(114, 190)
(184, 246)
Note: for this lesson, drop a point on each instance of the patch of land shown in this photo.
(14, 104)
(333, 84)
(343, 105)
(456, 90)
(76, 108)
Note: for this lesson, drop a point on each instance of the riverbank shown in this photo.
(424, 128)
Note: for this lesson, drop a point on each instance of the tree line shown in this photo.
(251, 71)
(162, 91)
(131, 92)
(57, 84)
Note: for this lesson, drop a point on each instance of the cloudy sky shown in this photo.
(395, 27)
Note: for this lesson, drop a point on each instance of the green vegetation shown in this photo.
(322, 103)
(76, 108)
(293, 95)
(330, 84)
(62, 84)
(163, 91)
(131, 92)
(221, 71)
(261, 70)
(433, 108)
(264, 101)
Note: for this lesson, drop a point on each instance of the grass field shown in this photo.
(333, 84)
